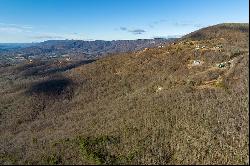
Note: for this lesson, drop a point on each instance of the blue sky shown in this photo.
(39, 20)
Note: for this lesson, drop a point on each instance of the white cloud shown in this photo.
(137, 31)
(10, 29)
(133, 31)
(49, 36)
(14, 28)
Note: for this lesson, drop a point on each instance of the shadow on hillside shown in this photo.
(53, 88)
(45, 94)
(49, 68)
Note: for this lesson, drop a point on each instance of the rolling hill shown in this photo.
(185, 102)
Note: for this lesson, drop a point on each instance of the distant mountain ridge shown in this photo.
(7, 46)
(85, 49)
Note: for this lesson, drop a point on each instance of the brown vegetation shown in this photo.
(146, 107)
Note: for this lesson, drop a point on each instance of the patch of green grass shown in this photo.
(95, 149)
(219, 84)
(222, 85)
(34, 140)
(53, 160)
(132, 155)
(6, 159)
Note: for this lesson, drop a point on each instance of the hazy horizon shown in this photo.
(83, 40)
(37, 21)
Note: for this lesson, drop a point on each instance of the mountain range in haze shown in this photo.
(12, 53)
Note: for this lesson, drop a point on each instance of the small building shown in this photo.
(218, 47)
(159, 88)
(20, 58)
(197, 47)
(196, 62)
